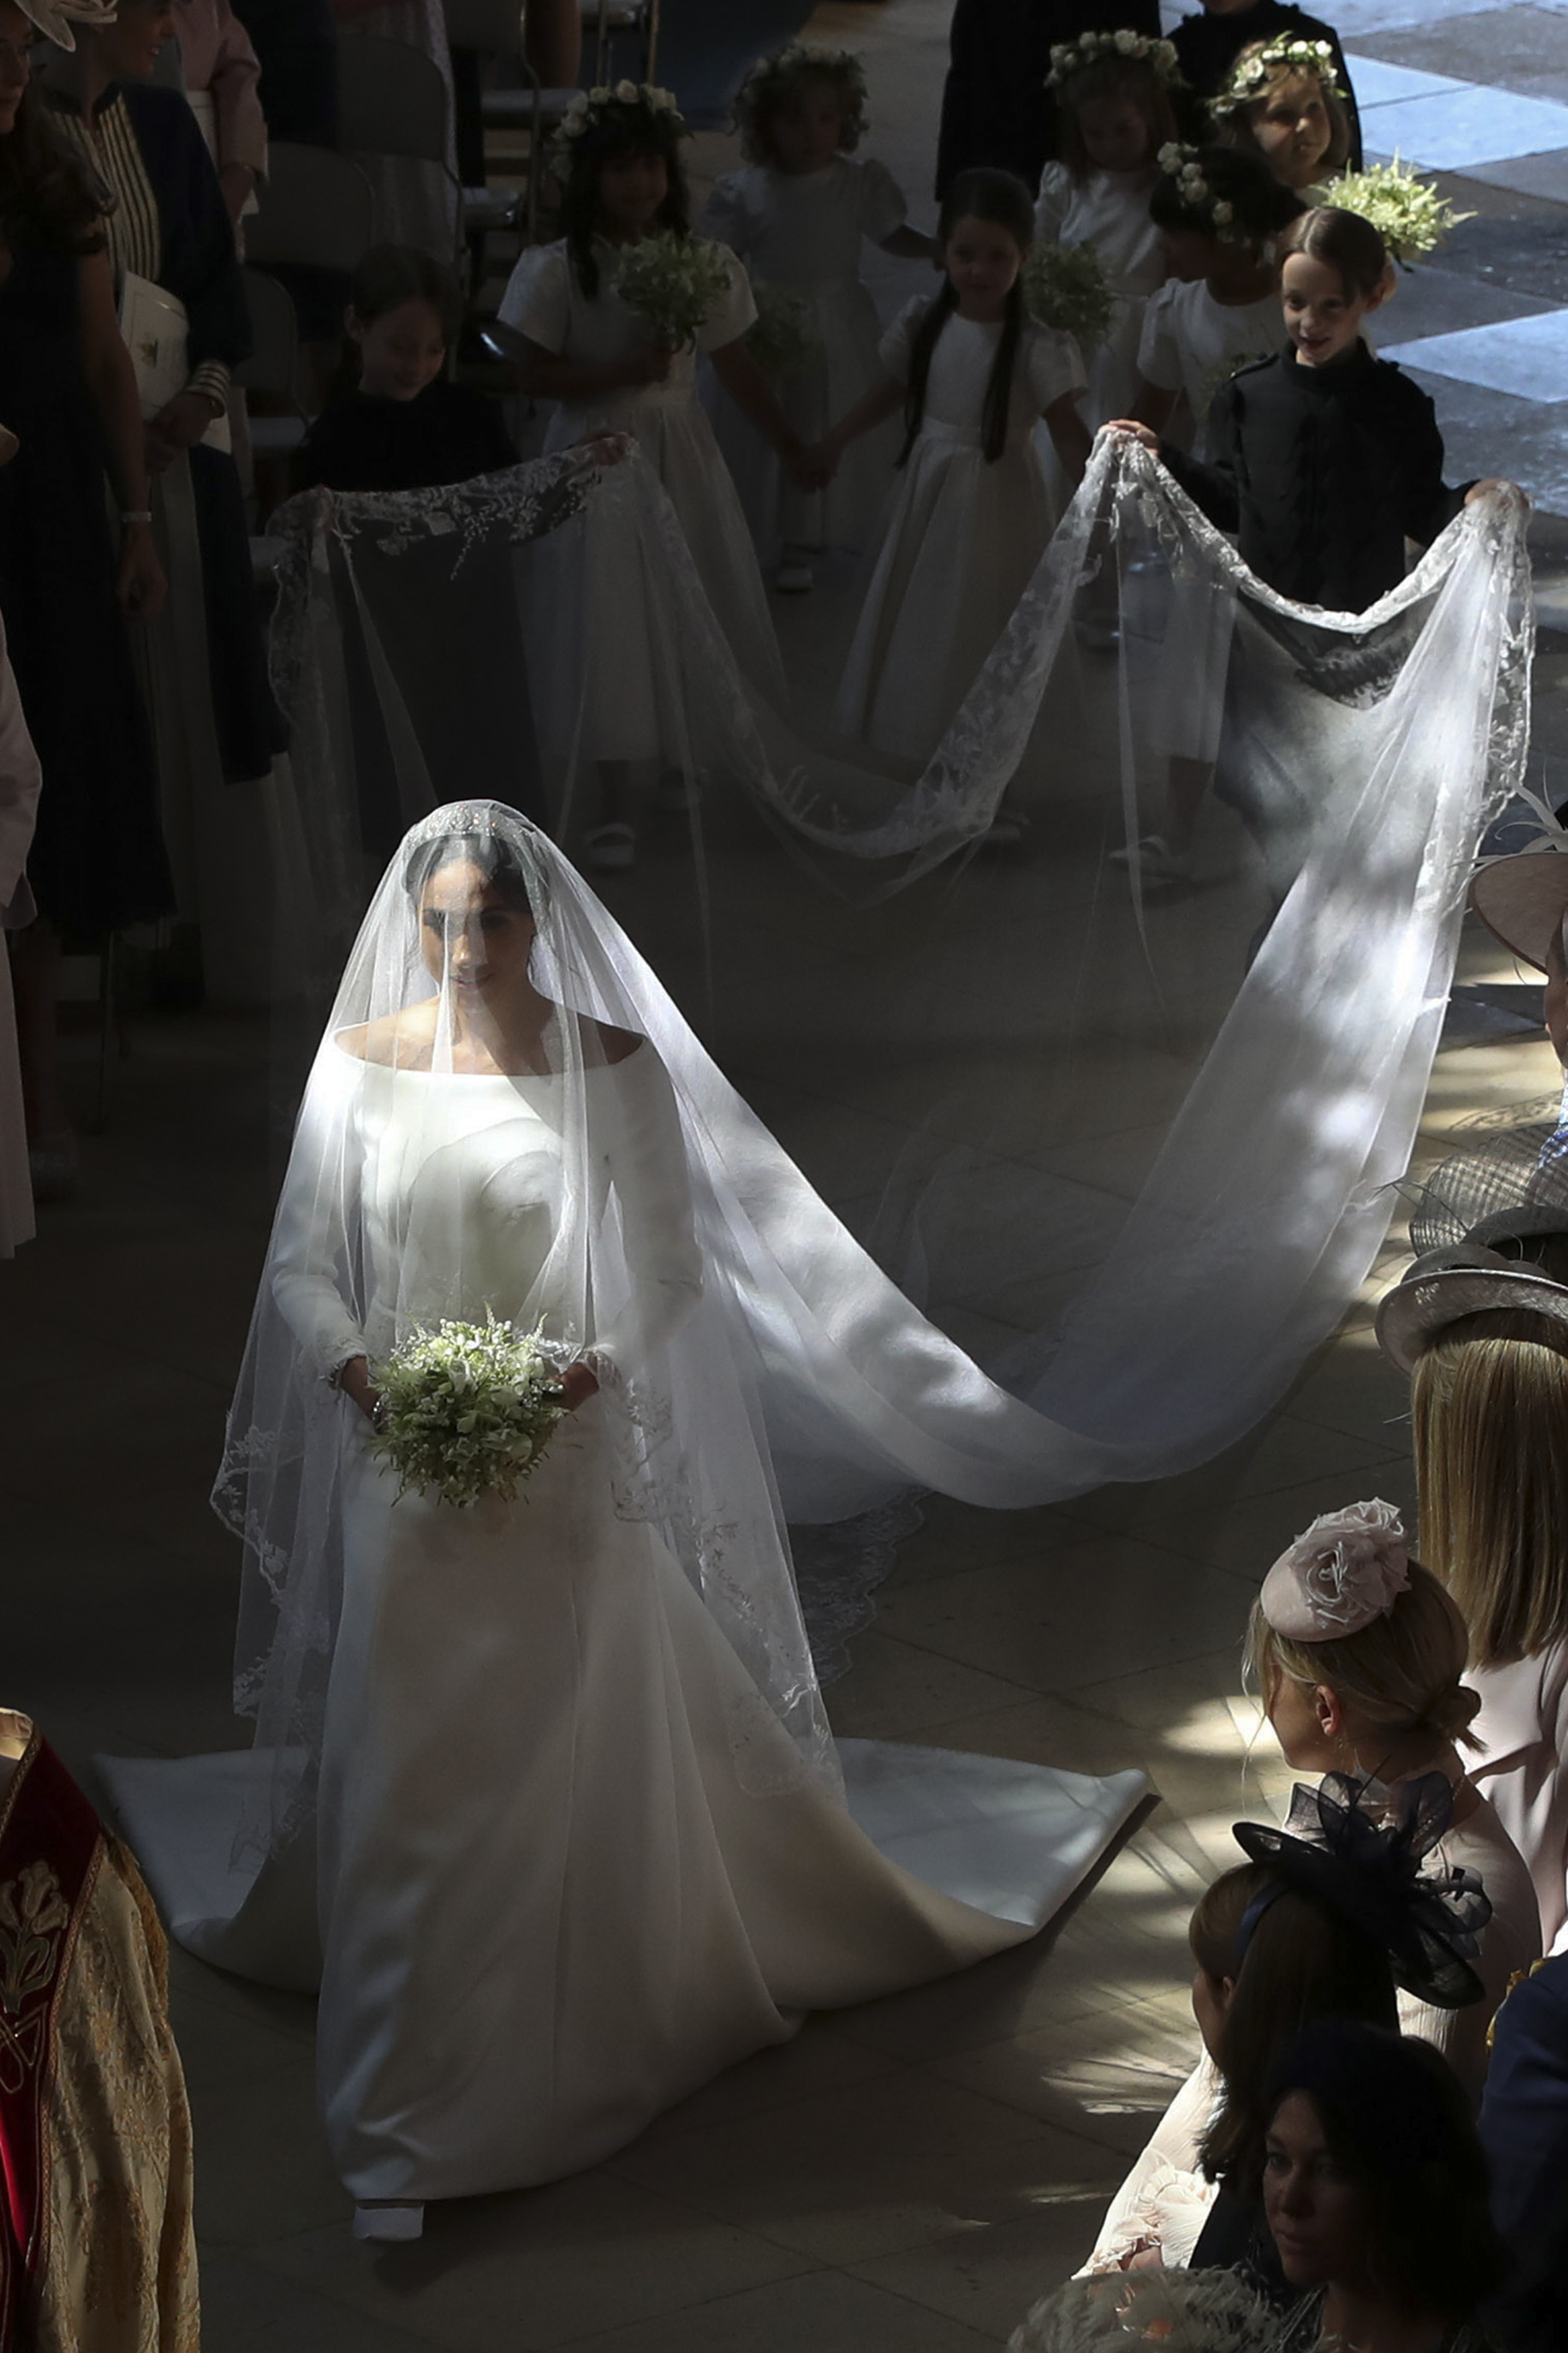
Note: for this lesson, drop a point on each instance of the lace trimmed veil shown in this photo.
(1131, 1144)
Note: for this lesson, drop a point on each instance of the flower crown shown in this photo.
(591, 107)
(771, 77)
(1070, 57)
(1349, 1568)
(1256, 68)
(1181, 165)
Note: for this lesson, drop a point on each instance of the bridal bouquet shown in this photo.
(1065, 287)
(782, 334)
(1180, 2311)
(673, 282)
(1407, 211)
(466, 1410)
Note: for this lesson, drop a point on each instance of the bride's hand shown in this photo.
(355, 1383)
(578, 1384)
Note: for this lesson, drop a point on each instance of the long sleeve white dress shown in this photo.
(574, 1838)
(961, 538)
(804, 233)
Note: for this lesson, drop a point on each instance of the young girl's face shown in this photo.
(632, 192)
(1291, 126)
(1322, 314)
(1115, 135)
(806, 131)
(401, 351)
(1189, 254)
(983, 259)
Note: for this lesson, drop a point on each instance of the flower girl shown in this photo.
(1219, 211)
(1114, 102)
(611, 366)
(1283, 102)
(796, 217)
(972, 515)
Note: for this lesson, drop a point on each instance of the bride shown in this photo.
(543, 1792)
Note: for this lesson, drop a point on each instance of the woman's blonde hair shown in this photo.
(1402, 1673)
(1490, 1415)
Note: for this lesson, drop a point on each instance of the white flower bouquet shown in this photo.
(467, 1410)
(1180, 2311)
(1407, 211)
(673, 282)
(1065, 287)
(782, 334)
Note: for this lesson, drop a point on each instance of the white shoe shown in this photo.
(795, 578)
(1157, 860)
(609, 848)
(388, 2218)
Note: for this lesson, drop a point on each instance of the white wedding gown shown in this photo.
(568, 1863)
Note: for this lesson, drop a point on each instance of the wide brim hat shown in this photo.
(1468, 1280)
(1522, 900)
(53, 18)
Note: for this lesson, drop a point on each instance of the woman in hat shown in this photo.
(1326, 1919)
(1480, 1325)
(1358, 1653)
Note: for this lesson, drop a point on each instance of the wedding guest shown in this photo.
(1358, 1652)
(221, 71)
(1374, 2184)
(67, 390)
(996, 109)
(1208, 46)
(19, 805)
(213, 719)
(97, 2245)
(1480, 1325)
(1524, 2131)
(1323, 1920)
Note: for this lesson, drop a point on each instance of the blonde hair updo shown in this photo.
(1401, 1672)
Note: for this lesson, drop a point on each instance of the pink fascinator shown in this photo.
(1349, 1567)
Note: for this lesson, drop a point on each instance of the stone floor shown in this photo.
(904, 2177)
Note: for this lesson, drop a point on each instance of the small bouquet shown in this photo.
(782, 334)
(466, 1410)
(1065, 287)
(1407, 211)
(673, 282)
(1180, 2311)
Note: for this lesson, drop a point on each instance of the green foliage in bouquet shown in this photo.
(782, 334)
(675, 282)
(1179, 2311)
(466, 1410)
(1407, 211)
(1065, 287)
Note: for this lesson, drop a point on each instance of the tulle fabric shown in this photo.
(1132, 1145)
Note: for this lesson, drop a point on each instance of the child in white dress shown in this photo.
(798, 217)
(972, 515)
(1218, 212)
(583, 347)
(1282, 101)
(1113, 95)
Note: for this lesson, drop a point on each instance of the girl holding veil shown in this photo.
(550, 1779)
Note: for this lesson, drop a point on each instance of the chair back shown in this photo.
(392, 99)
(274, 360)
(493, 26)
(314, 209)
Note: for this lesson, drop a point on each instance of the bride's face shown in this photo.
(473, 942)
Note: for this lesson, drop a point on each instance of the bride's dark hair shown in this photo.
(496, 859)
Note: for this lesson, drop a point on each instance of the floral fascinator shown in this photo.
(1349, 1567)
(1361, 1848)
(53, 18)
